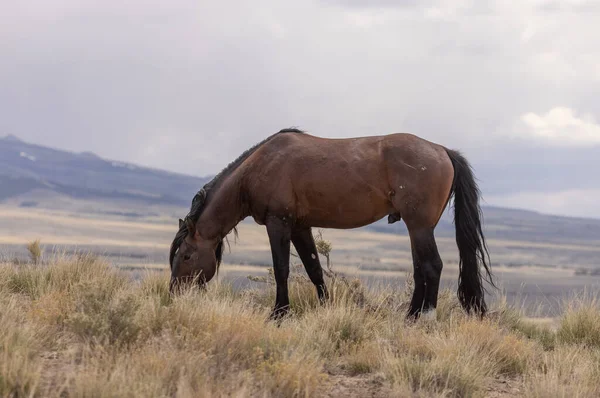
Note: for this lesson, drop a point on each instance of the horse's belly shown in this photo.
(350, 212)
(341, 223)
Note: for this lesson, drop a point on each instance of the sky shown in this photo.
(188, 85)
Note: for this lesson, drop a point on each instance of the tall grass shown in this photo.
(35, 251)
(76, 326)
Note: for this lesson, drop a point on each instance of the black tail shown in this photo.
(469, 236)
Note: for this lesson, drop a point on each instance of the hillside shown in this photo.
(37, 176)
(518, 225)
(32, 173)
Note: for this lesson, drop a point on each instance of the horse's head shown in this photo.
(193, 258)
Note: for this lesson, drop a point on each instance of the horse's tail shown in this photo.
(469, 236)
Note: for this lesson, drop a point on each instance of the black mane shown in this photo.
(199, 200)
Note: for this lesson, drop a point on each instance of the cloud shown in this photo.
(577, 6)
(562, 126)
(375, 3)
(188, 86)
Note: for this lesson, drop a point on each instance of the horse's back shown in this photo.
(304, 144)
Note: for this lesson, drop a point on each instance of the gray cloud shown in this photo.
(188, 85)
(377, 3)
(577, 6)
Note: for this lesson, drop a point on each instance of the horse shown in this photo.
(293, 181)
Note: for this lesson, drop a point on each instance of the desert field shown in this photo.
(76, 326)
(535, 275)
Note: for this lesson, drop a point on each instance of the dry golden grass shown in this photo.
(79, 327)
(35, 251)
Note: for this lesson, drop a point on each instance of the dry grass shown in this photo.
(35, 251)
(78, 327)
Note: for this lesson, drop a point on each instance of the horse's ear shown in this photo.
(180, 223)
(191, 227)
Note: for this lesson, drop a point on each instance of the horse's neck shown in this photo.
(224, 209)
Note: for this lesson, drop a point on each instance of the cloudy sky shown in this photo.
(188, 85)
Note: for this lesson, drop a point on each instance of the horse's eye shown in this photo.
(186, 257)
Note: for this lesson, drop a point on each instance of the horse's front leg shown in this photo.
(280, 232)
(304, 242)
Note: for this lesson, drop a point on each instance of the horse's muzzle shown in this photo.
(178, 284)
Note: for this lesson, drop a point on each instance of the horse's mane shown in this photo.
(200, 199)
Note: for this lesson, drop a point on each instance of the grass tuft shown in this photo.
(580, 324)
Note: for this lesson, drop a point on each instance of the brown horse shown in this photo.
(293, 181)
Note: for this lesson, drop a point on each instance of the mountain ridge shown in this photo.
(31, 174)
(25, 167)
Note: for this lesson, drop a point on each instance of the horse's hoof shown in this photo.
(323, 295)
(429, 315)
(279, 314)
(412, 316)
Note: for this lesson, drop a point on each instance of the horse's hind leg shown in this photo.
(304, 243)
(427, 272)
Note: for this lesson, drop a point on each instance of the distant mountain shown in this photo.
(27, 167)
(516, 225)
(28, 170)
